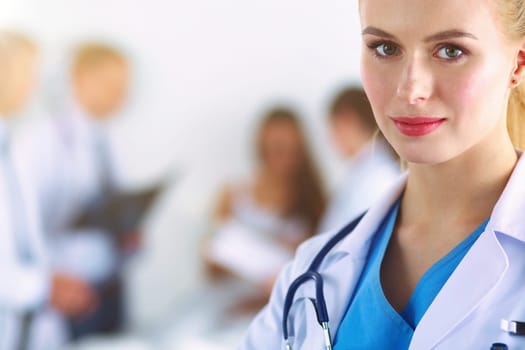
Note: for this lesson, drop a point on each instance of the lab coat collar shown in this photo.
(507, 216)
(76, 125)
(479, 273)
(370, 150)
(80, 117)
(364, 231)
(466, 288)
(362, 154)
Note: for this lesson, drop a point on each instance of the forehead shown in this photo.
(113, 64)
(280, 126)
(415, 18)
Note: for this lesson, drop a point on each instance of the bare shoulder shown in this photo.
(224, 203)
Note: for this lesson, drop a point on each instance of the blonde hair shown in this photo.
(515, 116)
(92, 54)
(512, 13)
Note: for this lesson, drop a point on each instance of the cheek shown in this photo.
(378, 87)
(462, 94)
(471, 98)
(22, 88)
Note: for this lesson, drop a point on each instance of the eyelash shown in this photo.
(463, 51)
(373, 46)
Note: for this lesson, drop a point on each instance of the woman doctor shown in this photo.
(440, 262)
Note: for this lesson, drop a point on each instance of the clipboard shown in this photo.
(119, 213)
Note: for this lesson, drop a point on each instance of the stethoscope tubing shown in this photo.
(312, 274)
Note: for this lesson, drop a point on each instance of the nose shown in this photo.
(415, 82)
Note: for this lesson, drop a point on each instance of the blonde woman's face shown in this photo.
(437, 73)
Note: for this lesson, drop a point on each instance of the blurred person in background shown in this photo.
(258, 224)
(24, 273)
(72, 165)
(281, 206)
(370, 166)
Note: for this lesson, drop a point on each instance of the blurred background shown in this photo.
(203, 74)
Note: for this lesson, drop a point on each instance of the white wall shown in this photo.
(205, 69)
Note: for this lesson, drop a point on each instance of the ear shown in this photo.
(518, 74)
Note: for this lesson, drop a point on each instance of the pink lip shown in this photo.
(417, 126)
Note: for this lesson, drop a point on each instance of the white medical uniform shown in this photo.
(62, 157)
(24, 285)
(68, 159)
(366, 178)
(486, 287)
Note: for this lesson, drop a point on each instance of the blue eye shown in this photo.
(449, 52)
(386, 49)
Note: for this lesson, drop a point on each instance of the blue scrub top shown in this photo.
(370, 321)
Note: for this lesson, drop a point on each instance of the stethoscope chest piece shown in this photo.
(499, 346)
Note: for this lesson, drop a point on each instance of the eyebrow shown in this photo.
(448, 34)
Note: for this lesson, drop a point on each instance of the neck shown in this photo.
(462, 190)
(86, 105)
(360, 141)
(89, 111)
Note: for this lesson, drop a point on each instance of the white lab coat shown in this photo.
(61, 158)
(23, 287)
(487, 286)
(366, 178)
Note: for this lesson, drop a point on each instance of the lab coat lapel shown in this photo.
(478, 274)
(480, 270)
(342, 267)
(338, 292)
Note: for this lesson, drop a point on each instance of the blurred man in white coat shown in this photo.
(370, 167)
(24, 276)
(70, 159)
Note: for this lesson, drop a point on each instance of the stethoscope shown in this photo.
(312, 274)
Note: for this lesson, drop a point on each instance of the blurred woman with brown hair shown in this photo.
(265, 219)
(257, 225)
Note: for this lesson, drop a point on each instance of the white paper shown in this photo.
(246, 253)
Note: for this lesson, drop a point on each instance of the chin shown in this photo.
(423, 160)
(423, 154)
